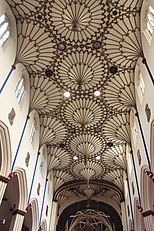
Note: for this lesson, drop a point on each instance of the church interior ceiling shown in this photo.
(81, 47)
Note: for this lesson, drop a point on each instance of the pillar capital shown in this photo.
(20, 212)
(148, 213)
(4, 179)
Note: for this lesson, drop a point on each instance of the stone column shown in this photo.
(17, 220)
(149, 219)
(124, 217)
(53, 216)
(3, 184)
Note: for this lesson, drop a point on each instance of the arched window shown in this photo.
(133, 126)
(150, 20)
(147, 20)
(20, 89)
(140, 86)
(32, 131)
(4, 29)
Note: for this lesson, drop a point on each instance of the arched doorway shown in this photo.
(12, 209)
(147, 197)
(82, 205)
(138, 217)
(31, 219)
(44, 226)
(5, 157)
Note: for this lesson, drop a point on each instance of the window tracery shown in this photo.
(20, 89)
(4, 29)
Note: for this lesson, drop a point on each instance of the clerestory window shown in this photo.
(140, 87)
(20, 89)
(4, 29)
(149, 23)
(32, 131)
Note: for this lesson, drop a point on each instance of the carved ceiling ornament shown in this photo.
(80, 189)
(58, 158)
(76, 20)
(81, 47)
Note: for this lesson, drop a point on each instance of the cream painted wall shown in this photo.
(8, 51)
(146, 126)
(9, 101)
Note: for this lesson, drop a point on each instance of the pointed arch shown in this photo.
(44, 225)
(35, 214)
(147, 197)
(5, 150)
(147, 189)
(23, 188)
(138, 217)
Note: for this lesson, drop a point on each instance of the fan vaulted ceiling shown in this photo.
(81, 46)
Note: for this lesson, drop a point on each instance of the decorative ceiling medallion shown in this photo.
(52, 131)
(45, 94)
(36, 47)
(97, 44)
(57, 158)
(89, 190)
(89, 171)
(113, 69)
(82, 112)
(86, 145)
(61, 46)
(117, 128)
(119, 91)
(75, 20)
(79, 70)
(115, 157)
(48, 72)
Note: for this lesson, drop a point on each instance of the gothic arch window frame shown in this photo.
(34, 138)
(44, 225)
(23, 187)
(139, 84)
(43, 161)
(35, 214)
(133, 126)
(147, 194)
(33, 130)
(5, 30)
(147, 21)
(5, 149)
(20, 89)
(138, 217)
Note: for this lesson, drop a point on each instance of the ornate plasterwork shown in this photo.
(52, 131)
(57, 158)
(81, 46)
(87, 171)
